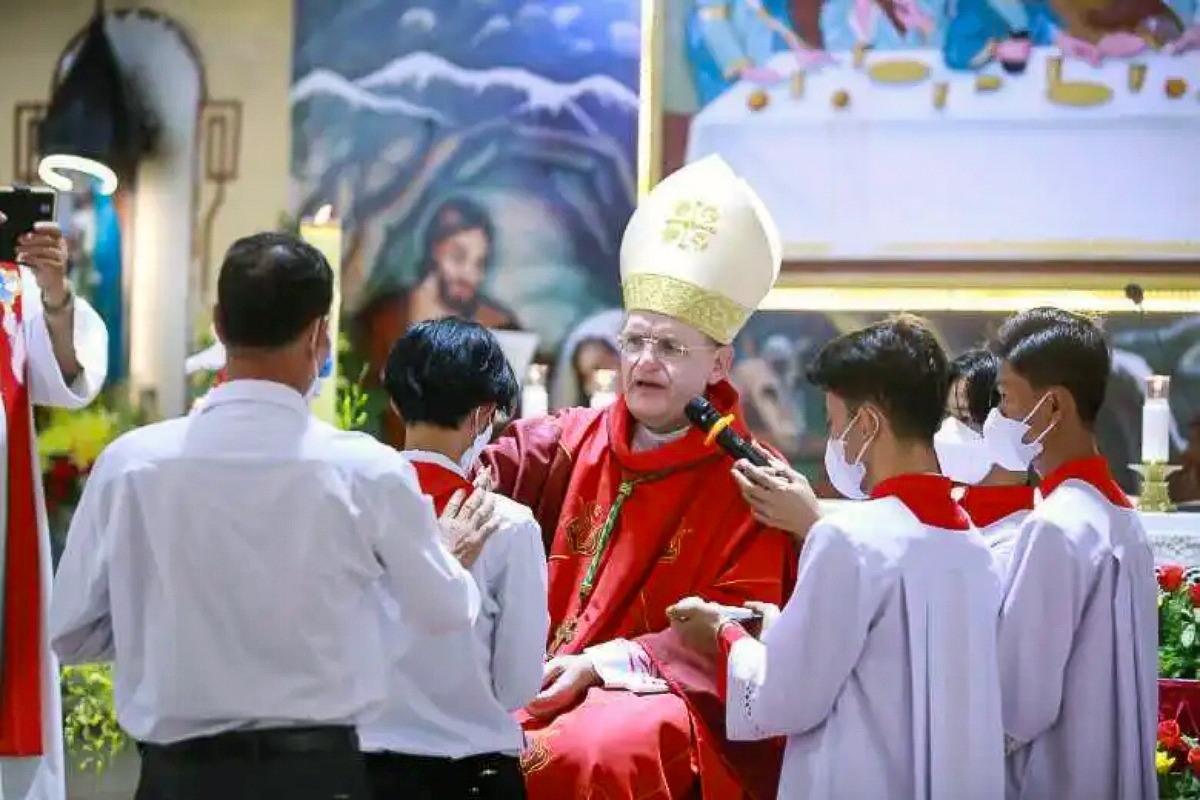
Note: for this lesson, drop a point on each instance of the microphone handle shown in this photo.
(739, 448)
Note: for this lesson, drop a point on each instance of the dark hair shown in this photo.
(979, 371)
(442, 370)
(1051, 347)
(451, 218)
(271, 287)
(898, 364)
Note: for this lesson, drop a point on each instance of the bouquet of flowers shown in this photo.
(1177, 757)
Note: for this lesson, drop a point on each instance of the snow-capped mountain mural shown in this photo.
(481, 154)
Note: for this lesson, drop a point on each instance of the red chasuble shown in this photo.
(21, 678)
(629, 534)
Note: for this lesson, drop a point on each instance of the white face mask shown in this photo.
(1005, 439)
(467, 460)
(847, 477)
(961, 452)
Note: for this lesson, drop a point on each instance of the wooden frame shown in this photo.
(812, 281)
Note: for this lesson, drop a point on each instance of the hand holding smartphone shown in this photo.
(22, 208)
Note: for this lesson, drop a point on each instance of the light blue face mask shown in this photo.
(324, 372)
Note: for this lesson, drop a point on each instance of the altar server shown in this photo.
(447, 731)
(881, 668)
(222, 560)
(1078, 633)
(996, 499)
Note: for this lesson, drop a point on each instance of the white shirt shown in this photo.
(222, 561)
(453, 694)
(881, 669)
(1001, 537)
(1079, 652)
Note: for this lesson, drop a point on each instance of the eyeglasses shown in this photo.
(665, 349)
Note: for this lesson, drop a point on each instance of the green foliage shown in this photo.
(90, 729)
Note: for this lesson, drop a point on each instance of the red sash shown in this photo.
(439, 483)
(23, 670)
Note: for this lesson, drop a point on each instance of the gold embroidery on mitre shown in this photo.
(583, 531)
(691, 225)
(703, 309)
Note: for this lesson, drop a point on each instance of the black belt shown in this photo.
(259, 743)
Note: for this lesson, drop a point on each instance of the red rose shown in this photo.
(1193, 760)
(1194, 593)
(1169, 735)
(1170, 577)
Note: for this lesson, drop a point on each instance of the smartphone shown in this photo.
(749, 619)
(23, 207)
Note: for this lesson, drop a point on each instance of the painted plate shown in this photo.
(1079, 94)
(900, 70)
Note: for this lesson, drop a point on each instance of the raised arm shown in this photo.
(519, 641)
(66, 347)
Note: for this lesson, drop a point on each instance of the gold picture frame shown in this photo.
(1083, 278)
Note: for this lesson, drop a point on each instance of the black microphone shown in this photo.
(701, 413)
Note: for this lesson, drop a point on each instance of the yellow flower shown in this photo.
(78, 435)
(1162, 761)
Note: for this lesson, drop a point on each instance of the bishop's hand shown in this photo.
(697, 623)
(467, 522)
(564, 680)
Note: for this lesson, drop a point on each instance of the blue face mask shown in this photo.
(324, 372)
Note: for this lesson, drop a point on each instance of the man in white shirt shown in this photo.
(881, 669)
(448, 732)
(222, 561)
(1079, 630)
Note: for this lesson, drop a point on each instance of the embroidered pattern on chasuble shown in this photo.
(583, 530)
(21, 657)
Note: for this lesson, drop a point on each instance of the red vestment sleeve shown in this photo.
(532, 467)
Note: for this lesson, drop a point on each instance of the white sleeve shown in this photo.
(80, 613)
(431, 586)
(1041, 611)
(519, 639)
(823, 627)
(46, 384)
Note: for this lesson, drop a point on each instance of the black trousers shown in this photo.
(283, 764)
(394, 776)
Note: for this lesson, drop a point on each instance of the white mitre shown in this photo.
(702, 248)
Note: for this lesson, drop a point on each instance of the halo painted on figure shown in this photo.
(50, 166)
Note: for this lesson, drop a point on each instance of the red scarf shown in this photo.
(987, 505)
(439, 482)
(1091, 470)
(928, 497)
(22, 663)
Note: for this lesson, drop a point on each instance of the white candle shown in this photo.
(604, 393)
(535, 400)
(1156, 431)
(602, 399)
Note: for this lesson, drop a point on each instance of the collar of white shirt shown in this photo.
(430, 457)
(255, 391)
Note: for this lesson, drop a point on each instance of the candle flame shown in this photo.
(1157, 387)
(324, 215)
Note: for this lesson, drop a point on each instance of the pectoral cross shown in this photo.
(564, 634)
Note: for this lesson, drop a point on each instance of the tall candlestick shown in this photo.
(324, 232)
(1156, 421)
(535, 400)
